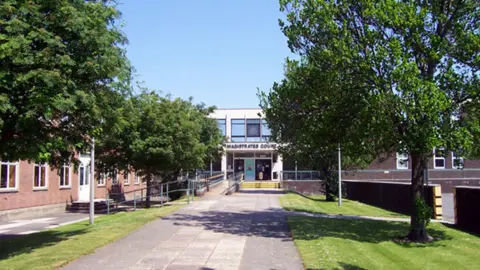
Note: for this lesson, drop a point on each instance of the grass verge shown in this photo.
(369, 244)
(317, 204)
(54, 248)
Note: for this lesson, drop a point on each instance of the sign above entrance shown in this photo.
(251, 146)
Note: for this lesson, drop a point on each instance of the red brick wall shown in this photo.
(304, 187)
(447, 178)
(27, 196)
(101, 191)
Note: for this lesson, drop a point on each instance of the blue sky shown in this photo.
(218, 51)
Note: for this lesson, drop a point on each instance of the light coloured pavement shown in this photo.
(14, 228)
(247, 230)
(447, 206)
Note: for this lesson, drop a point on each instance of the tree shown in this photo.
(59, 58)
(309, 125)
(159, 136)
(415, 62)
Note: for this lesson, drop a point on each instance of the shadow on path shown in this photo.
(262, 191)
(266, 223)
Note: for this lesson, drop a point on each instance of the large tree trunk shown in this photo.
(329, 196)
(149, 186)
(418, 231)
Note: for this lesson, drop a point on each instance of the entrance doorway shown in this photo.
(263, 169)
(84, 180)
(254, 165)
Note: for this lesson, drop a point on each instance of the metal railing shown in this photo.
(159, 194)
(204, 180)
(299, 175)
(234, 183)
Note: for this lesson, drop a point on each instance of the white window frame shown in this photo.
(137, 179)
(17, 168)
(69, 177)
(39, 167)
(126, 180)
(453, 161)
(101, 180)
(402, 157)
(435, 158)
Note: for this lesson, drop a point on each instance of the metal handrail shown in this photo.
(234, 182)
(164, 190)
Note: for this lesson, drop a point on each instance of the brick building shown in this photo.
(28, 189)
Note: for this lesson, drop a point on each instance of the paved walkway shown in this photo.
(246, 230)
(447, 206)
(22, 227)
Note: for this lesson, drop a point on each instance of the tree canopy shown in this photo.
(309, 124)
(160, 136)
(60, 61)
(411, 66)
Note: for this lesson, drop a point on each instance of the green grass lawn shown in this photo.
(317, 204)
(54, 248)
(369, 244)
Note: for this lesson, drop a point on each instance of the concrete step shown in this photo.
(261, 184)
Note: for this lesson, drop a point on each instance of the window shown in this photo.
(40, 175)
(457, 160)
(101, 179)
(137, 179)
(126, 180)
(253, 130)
(402, 161)
(265, 131)
(222, 125)
(65, 176)
(8, 175)
(439, 158)
(238, 130)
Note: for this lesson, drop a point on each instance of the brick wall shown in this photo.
(447, 178)
(25, 195)
(304, 187)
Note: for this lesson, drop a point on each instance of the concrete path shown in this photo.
(246, 230)
(447, 206)
(22, 227)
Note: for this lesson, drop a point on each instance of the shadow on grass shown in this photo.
(454, 227)
(319, 202)
(14, 245)
(347, 266)
(305, 196)
(343, 266)
(371, 231)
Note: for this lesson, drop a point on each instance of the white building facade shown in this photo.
(248, 148)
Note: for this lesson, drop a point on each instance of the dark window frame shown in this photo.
(232, 135)
(224, 131)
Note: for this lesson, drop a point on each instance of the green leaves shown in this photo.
(59, 59)
(390, 76)
(157, 135)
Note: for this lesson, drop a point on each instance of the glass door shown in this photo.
(249, 169)
(263, 169)
(84, 183)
